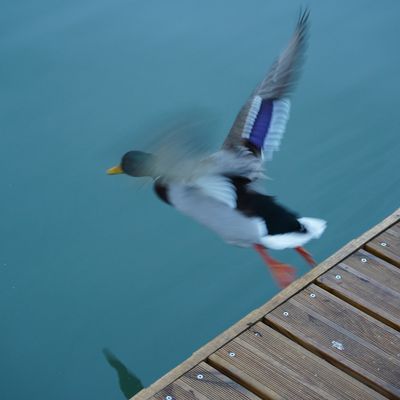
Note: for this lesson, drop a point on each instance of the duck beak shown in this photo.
(115, 170)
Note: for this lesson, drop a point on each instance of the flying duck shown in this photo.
(219, 190)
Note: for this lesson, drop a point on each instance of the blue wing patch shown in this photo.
(266, 123)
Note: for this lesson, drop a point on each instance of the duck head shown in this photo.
(135, 163)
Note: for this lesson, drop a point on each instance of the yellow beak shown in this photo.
(115, 170)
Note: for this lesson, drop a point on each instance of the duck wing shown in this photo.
(261, 122)
(258, 129)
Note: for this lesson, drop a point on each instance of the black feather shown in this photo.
(253, 204)
(161, 191)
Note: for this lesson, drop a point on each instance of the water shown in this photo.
(90, 261)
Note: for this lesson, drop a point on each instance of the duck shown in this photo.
(221, 190)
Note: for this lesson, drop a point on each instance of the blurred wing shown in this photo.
(261, 122)
(180, 151)
(219, 188)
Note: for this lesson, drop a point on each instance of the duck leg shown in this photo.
(284, 274)
(306, 255)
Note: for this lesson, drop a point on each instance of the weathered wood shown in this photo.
(368, 283)
(274, 366)
(387, 245)
(204, 383)
(348, 338)
(258, 314)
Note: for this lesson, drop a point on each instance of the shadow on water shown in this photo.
(129, 383)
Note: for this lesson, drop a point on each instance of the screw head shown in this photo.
(232, 354)
(338, 277)
(383, 244)
(285, 313)
(312, 295)
(337, 345)
(364, 260)
(200, 376)
(168, 398)
(258, 334)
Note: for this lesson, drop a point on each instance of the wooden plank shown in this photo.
(275, 367)
(258, 314)
(368, 283)
(204, 383)
(348, 338)
(387, 245)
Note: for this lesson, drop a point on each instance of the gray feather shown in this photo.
(280, 80)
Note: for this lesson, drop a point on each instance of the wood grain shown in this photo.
(387, 245)
(205, 383)
(274, 366)
(368, 283)
(342, 334)
(258, 314)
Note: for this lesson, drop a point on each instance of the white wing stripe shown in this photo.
(251, 116)
(277, 127)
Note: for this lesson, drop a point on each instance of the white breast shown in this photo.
(227, 222)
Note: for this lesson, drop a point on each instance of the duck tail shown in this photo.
(314, 226)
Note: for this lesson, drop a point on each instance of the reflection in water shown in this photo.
(129, 383)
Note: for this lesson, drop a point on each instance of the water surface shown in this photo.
(89, 261)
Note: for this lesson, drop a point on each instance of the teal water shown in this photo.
(89, 261)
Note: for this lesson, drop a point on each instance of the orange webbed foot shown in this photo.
(284, 274)
(306, 255)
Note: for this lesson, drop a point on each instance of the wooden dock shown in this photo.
(332, 334)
